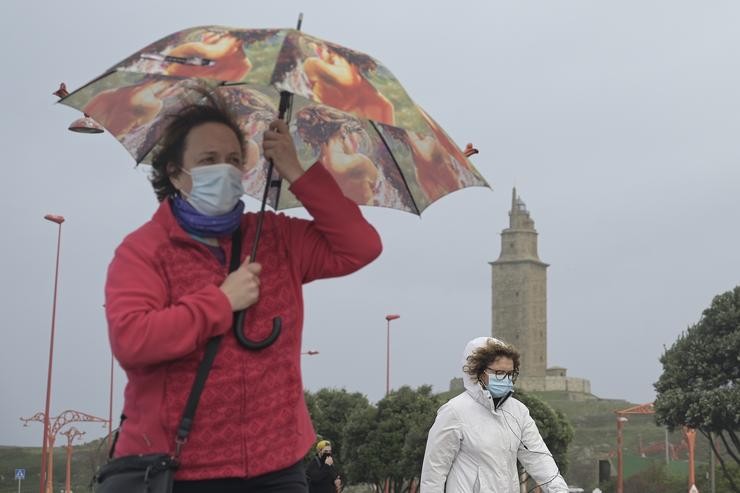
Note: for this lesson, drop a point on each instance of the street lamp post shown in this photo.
(388, 319)
(620, 479)
(690, 434)
(45, 446)
(110, 404)
(711, 461)
(621, 419)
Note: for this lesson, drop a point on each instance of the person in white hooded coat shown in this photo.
(477, 437)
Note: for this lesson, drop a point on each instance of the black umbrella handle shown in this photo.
(277, 323)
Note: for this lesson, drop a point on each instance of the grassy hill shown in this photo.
(85, 459)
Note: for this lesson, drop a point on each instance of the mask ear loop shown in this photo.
(183, 193)
(173, 174)
(482, 383)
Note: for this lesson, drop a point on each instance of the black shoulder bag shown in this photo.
(155, 473)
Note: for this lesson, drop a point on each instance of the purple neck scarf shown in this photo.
(195, 223)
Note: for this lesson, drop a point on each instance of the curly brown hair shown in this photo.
(210, 109)
(483, 356)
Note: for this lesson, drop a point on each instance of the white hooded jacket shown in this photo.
(473, 446)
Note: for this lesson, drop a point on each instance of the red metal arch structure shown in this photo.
(621, 419)
(55, 425)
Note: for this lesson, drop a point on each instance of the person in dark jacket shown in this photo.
(322, 475)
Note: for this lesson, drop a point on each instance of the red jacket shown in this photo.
(163, 303)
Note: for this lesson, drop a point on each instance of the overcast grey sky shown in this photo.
(618, 123)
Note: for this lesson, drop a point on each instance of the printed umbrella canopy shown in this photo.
(349, 112)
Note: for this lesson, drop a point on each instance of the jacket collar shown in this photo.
(502, 400)
(485, 399)
(166, 218)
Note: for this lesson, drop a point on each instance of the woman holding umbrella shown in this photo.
(168, 291)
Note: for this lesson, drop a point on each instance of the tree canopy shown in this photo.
(330, 410)
(389, 441)
(699, 387)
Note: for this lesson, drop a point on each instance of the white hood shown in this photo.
(471, 384)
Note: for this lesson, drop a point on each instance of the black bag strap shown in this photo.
(183, 430)
(115, 437)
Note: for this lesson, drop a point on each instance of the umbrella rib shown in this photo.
(144, 155)
(400, 171)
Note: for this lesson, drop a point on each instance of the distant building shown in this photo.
(519, 305)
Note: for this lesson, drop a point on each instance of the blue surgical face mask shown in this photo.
(499, 388)
(216, 188)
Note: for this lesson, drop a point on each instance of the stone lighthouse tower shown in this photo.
(519, 285)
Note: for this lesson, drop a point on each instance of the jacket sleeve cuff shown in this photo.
(222, 316)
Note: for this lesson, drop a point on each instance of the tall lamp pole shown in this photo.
(110, 404)
(621, 419)
(690, 434)
(620, 443)
(388, 319)
(44, 448)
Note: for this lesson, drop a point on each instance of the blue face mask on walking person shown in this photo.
(499, 388)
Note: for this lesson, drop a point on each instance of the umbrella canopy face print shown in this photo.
(348, 111)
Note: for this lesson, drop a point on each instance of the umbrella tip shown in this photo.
(470, 150)
(300, 21)
(62, 92)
